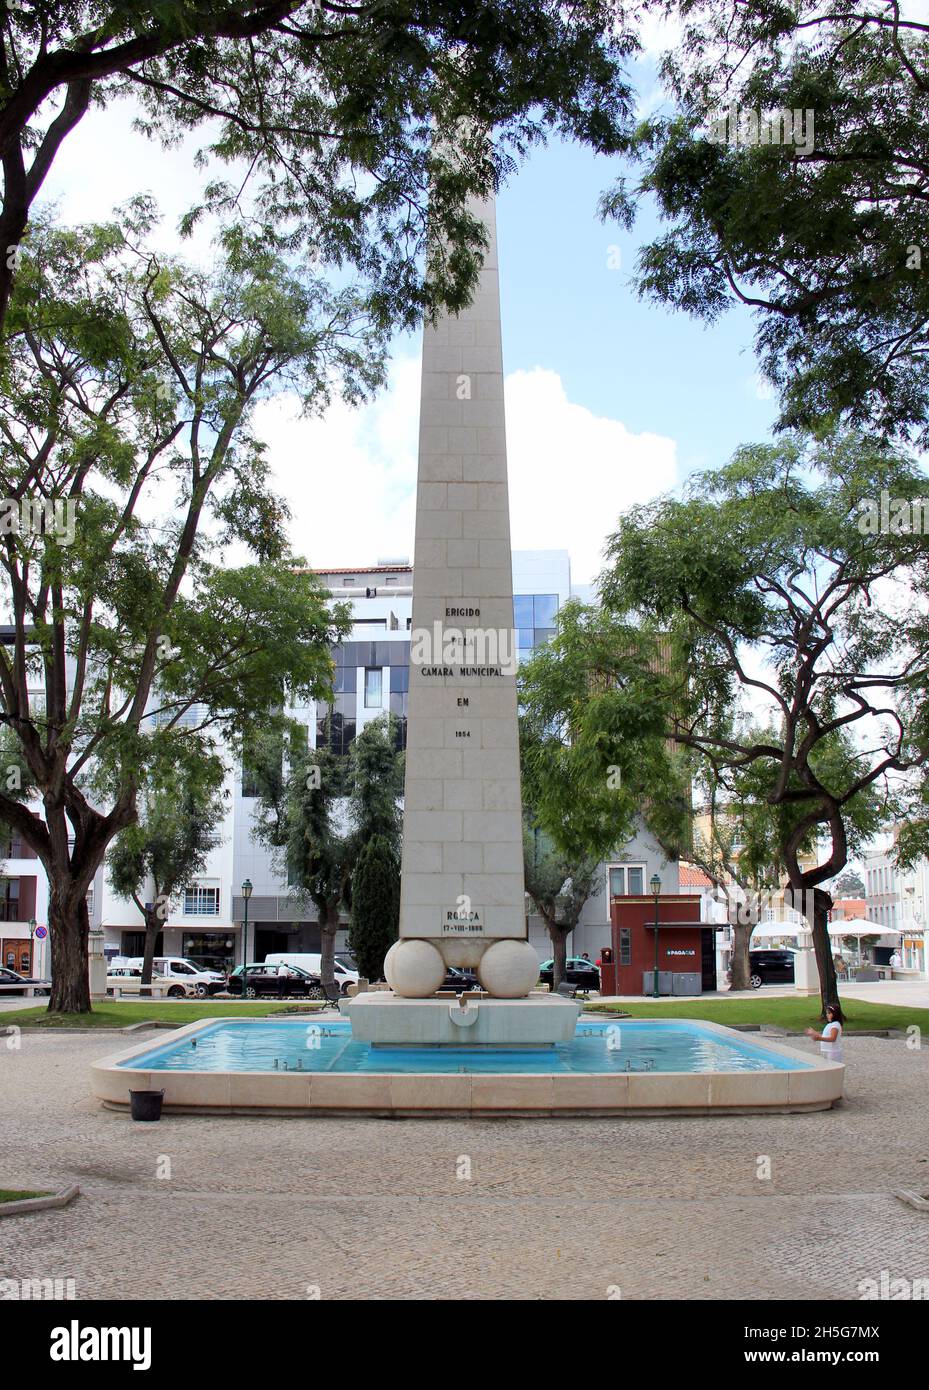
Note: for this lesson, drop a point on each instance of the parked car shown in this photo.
(13, 983)
(264, 979)
(202, 981)
(128, 980)
(771, 968)
(582, 973)
(460, 980)
(344, 968)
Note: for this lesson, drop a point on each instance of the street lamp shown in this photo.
(246, 894)
(655, 885)
(32, 970)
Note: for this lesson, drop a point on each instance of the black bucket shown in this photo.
(146, 1105)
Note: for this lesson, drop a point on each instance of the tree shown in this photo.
(323, 111)
(375, 906)
(128, 468)
(559, 890)
(154, 859)
(849, 884)
(747, 832)
(322, 812)
(377, 769)
(302, 815)
(579, 804)
(820, 232)
(768, 578)
(733, 848)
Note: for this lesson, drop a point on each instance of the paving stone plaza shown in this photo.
(493, 1209)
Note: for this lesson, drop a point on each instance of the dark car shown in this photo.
(12, 983)
(578, 971)
(266, 980)
(460, 980)
(771, 968)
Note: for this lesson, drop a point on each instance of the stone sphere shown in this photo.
(414, 969)
(509, 969)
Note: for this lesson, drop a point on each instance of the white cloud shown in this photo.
(572, 472)
(351, 477)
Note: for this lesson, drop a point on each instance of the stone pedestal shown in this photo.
(389, 1021)
(806, 972)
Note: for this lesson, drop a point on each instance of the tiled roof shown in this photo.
(689, 876)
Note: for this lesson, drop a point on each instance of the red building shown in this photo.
(686, 946)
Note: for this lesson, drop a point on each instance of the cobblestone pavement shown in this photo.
(280, 1208)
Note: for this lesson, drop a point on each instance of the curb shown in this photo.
(28, 1204)
(912, 1199)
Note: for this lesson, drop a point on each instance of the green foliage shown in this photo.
(322, 125)
(169, 843)
(768, 580)
(592, 751)
(126, 394)
(558, 887)
(322, 812)
(826, 245)
(848, 885)
(375, 906)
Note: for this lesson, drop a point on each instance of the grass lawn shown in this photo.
(780, 1011)
(10, 1195)
(120, 1013)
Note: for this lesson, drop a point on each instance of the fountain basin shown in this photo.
(315, 1067)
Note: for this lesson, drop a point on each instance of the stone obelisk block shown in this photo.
(462, 875)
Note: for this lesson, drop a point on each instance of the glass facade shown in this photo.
(534, 617)
(337, 724)
(373, 698)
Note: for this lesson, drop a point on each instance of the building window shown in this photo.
(625, 945)
(534, 617)
(201, 902)
(626, 880)
(347, 581)
(211, 950)
(373, 698)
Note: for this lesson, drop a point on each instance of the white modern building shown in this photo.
(372, 676)
(899, 899)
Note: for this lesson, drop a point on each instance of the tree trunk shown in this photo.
(739, 963)
(69, 926)
(559, 940)
(328, 926)
(153, 926)
(822, 945)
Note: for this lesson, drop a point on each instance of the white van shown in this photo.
(187, 972)
(344, 968)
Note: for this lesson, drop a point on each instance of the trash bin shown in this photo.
(686, 982)
(146, 1105)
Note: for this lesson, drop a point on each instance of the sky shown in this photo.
(610, 400)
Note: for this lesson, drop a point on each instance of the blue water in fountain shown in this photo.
(598, 1046)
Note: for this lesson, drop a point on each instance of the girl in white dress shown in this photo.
(830, 1039)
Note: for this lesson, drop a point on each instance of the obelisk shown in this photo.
(462, 888)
